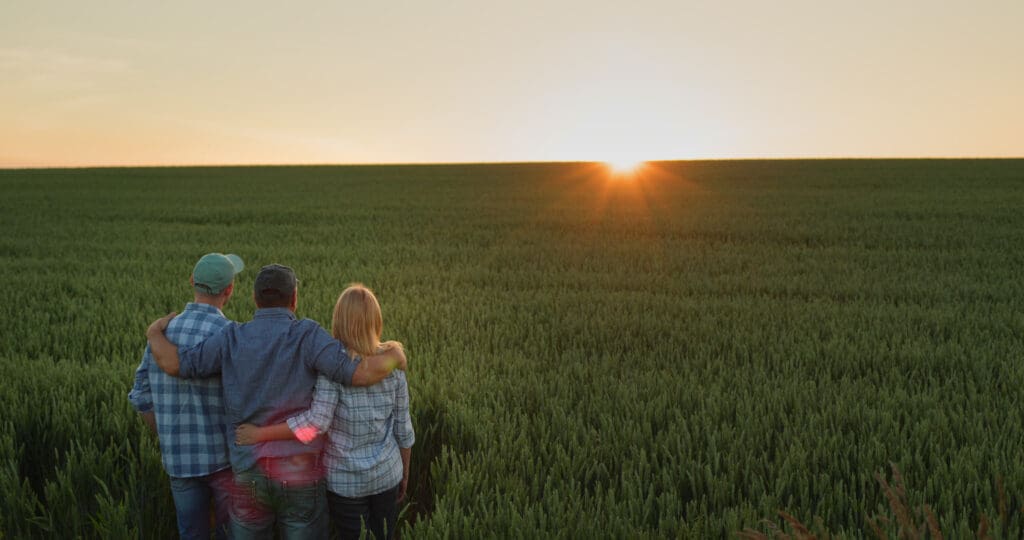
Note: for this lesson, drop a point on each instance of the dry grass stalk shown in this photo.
(983, 528)
(797, 526)
(1003, 517)
(933, 523)
(875, 528)
(896, 495)
(800, 531)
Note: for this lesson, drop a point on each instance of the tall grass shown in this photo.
(682, 355)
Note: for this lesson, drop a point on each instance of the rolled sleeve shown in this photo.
(316, 420)
(331, 359)
(404, 435)
(140, 396)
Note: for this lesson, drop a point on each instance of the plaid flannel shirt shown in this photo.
(365, 428)
(189, 413)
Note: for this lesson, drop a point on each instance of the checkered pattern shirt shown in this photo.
(189, 413)
(365, 428)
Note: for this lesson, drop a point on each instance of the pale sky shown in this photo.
(186, 82)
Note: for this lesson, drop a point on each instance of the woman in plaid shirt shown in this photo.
(369, 431)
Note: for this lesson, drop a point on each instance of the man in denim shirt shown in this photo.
(188, 415)
(269, 368)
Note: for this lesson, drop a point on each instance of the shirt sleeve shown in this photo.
(140, 396)
(404, 435)
(316, 420)
(330, 358)
(205, 358)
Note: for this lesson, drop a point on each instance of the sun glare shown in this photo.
(624, 166)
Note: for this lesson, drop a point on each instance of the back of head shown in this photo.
(275, 286)
(357, 320)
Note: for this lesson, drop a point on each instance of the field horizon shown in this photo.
(520, 162)
(681, 352)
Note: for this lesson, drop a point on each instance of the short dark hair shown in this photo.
(268, 298)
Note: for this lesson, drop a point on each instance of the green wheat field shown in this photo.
(684, 353)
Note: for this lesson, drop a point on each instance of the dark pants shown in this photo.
(378, 512)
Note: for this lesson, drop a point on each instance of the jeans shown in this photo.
(378, 512)
(192, 502)
(288, 492)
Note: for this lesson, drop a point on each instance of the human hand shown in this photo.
(403, 487)
(388, 345)
(245, 434)
(397, 354)
(160, 324)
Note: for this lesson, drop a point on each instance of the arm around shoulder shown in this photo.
(331, 359)
(375, 368)
(200, 360)
(165, 353)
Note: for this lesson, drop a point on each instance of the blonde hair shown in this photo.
(357, 321)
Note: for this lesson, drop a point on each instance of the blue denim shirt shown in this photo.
(268, 368)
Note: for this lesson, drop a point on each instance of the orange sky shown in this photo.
(104, 83)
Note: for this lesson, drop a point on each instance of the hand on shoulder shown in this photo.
(160, 325)
(388, 345)
(396, 351)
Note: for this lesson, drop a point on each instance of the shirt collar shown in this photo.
(205, 308)
(274, 313)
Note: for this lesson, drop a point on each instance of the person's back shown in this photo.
(269, 367)
(369, 427)
(268, 377)
(188, 415)
(369, 430)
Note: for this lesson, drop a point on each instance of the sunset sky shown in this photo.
(111, 83)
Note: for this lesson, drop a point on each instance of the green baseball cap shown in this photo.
(215, 271)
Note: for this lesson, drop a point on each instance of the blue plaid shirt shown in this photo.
(365, 427)
(189, 413)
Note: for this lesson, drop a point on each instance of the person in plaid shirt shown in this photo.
(369, 429)
(188, 415)
(269, 367)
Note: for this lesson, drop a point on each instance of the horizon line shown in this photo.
(510, 162)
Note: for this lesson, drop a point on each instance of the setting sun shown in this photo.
(624, 166)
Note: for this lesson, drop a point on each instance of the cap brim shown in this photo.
(236, 262)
